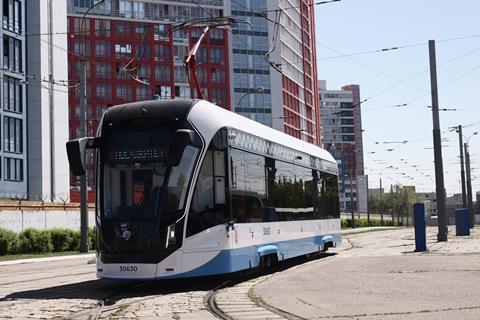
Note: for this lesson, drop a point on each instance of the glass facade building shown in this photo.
(13, 153)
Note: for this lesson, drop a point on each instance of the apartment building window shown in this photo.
(12, 94)
(12, 54)
(217, 36)
(124, 92)
(180, 75)
(103, 70)
(182, 92)
(102, 48)
(142, 30)
(102, 28)
(13, 169)
(162, 73)
(143, 52)
(162, 53)
(78, 111)
(218, 96)
(12, 135)
(81, 26)
(104, 91)
(123, 50)
(12, 15)
(218, 75)
(165, 92)
(160, 33)
(144, 71)
(179, 53)
(82, 47)
(202, 55)
(122, 29)
(143, 93)
(202, 75)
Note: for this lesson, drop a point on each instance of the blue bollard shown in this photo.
(462, 222)
(420, 227)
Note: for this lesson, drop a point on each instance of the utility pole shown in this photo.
(462, 168)
(351, 197)
(469, 188)
(437, 147)
(368, 207)
(51, 101)
(82, 92)
(381, 202)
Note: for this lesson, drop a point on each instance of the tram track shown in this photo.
(210, 305)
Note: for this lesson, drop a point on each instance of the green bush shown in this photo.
(35, 241)
(92, 240)
(64, 239)
(361, 223)
(75, 241)
(8, 242)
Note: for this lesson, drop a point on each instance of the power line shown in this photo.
(395, 48)
(297, 7)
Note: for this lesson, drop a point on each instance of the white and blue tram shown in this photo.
(186, 188)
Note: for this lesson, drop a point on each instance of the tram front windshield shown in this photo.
(137, 183)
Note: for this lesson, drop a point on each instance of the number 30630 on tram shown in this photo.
(186, 188)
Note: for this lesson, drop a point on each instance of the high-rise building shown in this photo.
(13, 150)
(133, 55)
(33, 125)
(47, 68)
(342, 136)
(277, 53)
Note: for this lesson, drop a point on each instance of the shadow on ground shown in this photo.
(112, 291)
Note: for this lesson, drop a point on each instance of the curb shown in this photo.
(48, 259)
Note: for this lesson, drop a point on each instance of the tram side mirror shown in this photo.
(181, 139)
(76, 153)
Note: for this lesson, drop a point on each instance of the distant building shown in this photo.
(409, 189)
(430, 198)
(341, 127)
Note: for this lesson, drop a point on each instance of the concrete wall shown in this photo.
(18, 221)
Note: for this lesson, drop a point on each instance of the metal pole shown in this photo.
(471, 209)
(381, 202)
(368, 209)
(437, 146)
(351, 197)
(462, 168)
(50, 101)
(83, 179)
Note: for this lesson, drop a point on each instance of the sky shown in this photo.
(347, 34)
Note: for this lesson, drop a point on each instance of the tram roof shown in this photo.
(209, 118)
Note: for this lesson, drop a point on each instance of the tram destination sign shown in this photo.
(141, 154)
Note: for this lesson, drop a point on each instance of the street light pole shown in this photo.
(82, 92)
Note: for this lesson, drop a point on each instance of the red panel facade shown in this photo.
(135, 60)
(291, 90)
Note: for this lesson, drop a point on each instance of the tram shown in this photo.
(186, 188)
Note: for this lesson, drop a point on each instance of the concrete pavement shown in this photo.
(378, 275)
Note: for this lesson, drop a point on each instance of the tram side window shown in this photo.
(248, 188)
(292, 192)
(327, 201)
(204, 211)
